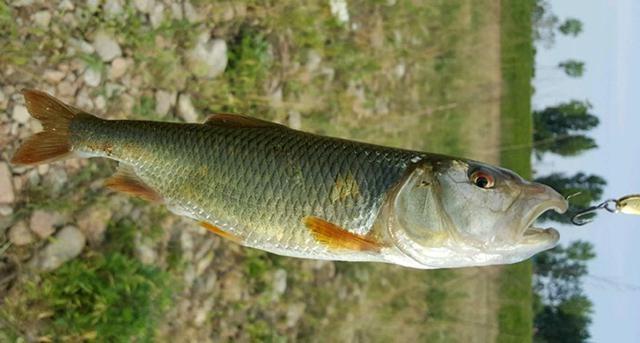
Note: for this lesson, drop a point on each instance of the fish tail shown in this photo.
(53, 143)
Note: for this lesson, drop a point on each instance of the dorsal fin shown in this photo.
(125, 180)
(238, 120)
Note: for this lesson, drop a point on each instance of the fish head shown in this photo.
(457, 213)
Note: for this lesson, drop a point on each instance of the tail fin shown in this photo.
(53, 142)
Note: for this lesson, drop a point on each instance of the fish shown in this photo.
(293, 193)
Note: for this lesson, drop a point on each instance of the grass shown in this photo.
(515, 314)
(414, 75)
(105, 295)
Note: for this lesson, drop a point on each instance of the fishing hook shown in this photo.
(611, 205)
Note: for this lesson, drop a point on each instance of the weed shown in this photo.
(108, 297)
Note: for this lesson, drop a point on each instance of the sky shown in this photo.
(610, 47)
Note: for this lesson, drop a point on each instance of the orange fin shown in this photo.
(336, 237)
(53, 142)
(238, 121)
(218, 231)
(125, 180)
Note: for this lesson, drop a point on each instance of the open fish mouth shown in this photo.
(555, 203)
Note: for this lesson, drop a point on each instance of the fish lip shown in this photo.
(554, 202)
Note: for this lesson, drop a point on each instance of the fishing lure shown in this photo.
(629, 204)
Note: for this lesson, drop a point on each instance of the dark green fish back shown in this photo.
(255, 182)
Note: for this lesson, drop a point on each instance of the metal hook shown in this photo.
(578, 219)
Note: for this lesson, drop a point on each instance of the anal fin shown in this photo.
(125, 180)
(335, 237)
(218, 231)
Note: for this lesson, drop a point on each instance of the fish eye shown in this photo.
(482, 179)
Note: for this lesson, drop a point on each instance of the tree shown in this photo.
(558, 272)
(572, 68)
(567, 323)
(584, 191)
(545, 24)
(571, 27)
(558, 128)
(562, 311)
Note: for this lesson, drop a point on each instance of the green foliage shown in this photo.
(572, 68)
(563, 313)
(584, 190)
(571, 27)
(568, 322)
(558, 129)
(145, 108)
(110, 297)
(248, 64)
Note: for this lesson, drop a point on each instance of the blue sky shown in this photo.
(610, 47)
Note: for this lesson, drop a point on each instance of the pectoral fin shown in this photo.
(125, 180)
(338, 238)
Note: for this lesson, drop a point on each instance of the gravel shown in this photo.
(42, 223)
(20, 114)
(19, 234)
(208, 58)
(6, 184)
(67, 244)
(106, 46)
(186, 110)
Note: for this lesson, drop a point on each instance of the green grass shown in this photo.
(515, 316)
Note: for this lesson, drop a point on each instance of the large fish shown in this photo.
(293, 193)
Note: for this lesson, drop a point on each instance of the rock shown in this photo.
(82, 45)
(339, 10)
(21, 3)
(280, 281)
(66, 89)
(106, 47)
(83, 100)
(42, 18)
(93, 223)
(157, 15)
(67, 244)
(19, 234)
(5, 210)
(53, 76)
(92, 77)
(6, 184)
(231, 285)
(202, 312)
(144, 6)
(399, 70)
(42, 223)
(208, 58)
(186, 110)
(101, 103)
(3, 100)
(295, 120)
(176, 11)
(191, 13)
(118, 68)
(113, 8)
(20, 114)
(164, 101)
(294, 313)
(145, 252)
(66, 5)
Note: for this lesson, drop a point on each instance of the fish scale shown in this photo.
(260, 182)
